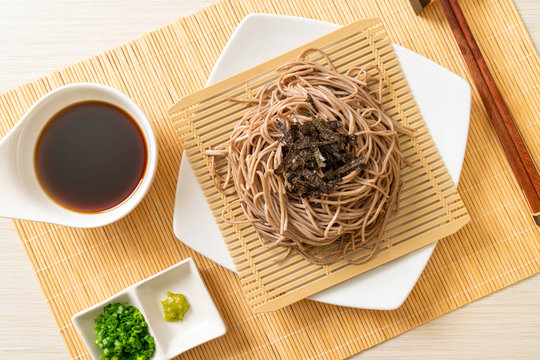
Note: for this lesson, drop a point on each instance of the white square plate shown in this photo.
(444, 99)
(201, 323)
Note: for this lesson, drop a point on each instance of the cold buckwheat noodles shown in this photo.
(315, 161)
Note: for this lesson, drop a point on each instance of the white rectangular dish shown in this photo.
(202, 322)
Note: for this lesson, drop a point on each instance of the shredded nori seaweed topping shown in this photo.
(316, 156)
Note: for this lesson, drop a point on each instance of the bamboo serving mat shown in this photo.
(430, 207)
(499, 246)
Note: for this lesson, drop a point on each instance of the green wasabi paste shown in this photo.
(175, 306)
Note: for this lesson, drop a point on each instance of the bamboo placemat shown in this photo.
(430, 207)
(499, 246)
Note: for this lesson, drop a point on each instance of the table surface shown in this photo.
(37, 37)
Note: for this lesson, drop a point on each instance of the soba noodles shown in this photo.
(322, 227)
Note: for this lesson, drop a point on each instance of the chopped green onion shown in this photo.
(122, 333)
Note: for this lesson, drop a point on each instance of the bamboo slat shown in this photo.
(499, 246)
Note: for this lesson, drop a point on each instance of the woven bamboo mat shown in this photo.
(499, 246)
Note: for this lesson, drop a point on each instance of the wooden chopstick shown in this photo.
(499, 101)
(516, 152)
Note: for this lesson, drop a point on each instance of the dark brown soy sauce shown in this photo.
(90, 156)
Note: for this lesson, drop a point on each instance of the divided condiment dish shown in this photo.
(201, 323)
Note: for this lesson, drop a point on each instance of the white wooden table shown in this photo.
(40, 36)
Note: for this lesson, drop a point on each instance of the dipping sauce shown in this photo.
(90, 156)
